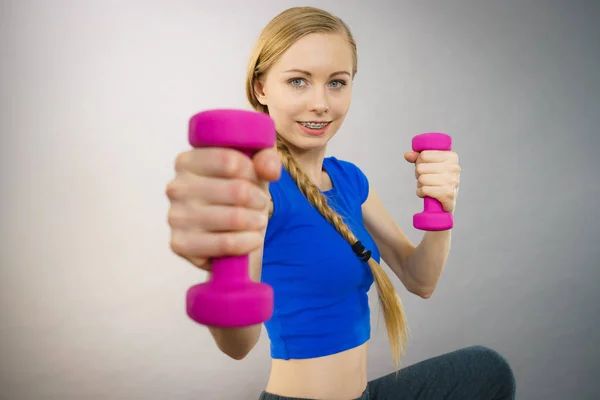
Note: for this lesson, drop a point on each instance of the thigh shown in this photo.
(467, 374)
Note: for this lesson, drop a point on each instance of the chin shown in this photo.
(305, 142)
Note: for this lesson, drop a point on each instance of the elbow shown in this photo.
(423, 292)
(422, 289)
(236, 343)
(238, 356)
(236, 352)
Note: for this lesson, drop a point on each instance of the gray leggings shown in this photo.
(472, 373)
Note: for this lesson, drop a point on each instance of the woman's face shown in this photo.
(308, 90)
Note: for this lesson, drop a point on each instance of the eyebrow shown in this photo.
(309, 74)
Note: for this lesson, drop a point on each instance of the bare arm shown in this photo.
(418, 268)
(427, 263)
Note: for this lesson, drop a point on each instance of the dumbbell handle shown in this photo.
(232, 270)
(431, 205)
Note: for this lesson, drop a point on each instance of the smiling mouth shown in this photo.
(314, 125)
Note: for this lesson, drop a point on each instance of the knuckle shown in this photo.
(226, 244)
(241, 192)
(172, 189)
(237, 220)
(176, 218)
(199, 262)
(229, 163)
(178, 245)
(172, 218)
(181, 161)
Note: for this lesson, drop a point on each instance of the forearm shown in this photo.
(424, 266)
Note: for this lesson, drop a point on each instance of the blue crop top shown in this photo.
(320, 285)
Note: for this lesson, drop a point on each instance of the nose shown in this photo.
(319, 102)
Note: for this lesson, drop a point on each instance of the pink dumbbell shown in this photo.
(230, 298)
(433, 218)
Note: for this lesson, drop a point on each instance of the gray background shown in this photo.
(96, 98)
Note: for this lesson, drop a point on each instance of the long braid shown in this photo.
(393, 311)
(279, 34)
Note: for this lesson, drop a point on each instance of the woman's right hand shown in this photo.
(220, 202)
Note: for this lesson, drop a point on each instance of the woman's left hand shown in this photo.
(438, 176)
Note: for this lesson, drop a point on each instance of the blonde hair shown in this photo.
(279, 34)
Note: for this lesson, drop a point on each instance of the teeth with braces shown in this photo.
(314, 125)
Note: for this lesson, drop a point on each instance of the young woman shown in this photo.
(316, 231)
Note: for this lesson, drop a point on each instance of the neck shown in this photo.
(310, 162)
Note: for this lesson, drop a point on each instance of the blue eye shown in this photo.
(339, 84)
(301, 82)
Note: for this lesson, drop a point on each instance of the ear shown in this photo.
(259, 92)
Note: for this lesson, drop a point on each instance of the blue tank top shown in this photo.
(320, 285)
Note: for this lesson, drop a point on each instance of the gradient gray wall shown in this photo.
(95, 102)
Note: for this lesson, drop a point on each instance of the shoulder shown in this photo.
(349, 172)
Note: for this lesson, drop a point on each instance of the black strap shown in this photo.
(360, 251)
